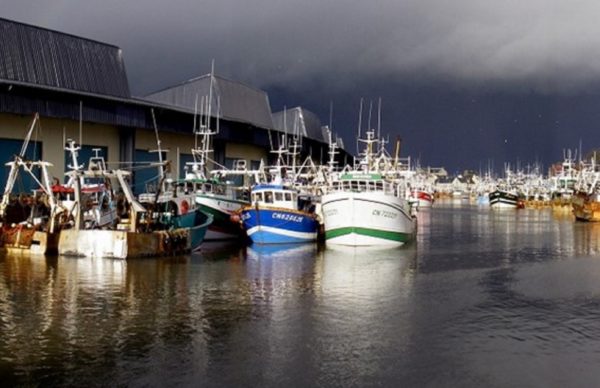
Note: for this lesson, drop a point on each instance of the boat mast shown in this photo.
(332, 152)
(201, 153)
(161, 170)
(359, 125)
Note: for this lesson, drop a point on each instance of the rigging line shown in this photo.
(330, 115)
(38, 128)
(195, 119)
(369, 120)
(80, 122)
(359, 124)
(270, 139)
(379, 120)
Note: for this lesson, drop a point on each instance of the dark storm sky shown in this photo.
(463, 82)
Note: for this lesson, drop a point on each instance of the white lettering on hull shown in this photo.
(287, 217)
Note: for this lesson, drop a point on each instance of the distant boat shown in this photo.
(586, 207)
(586, 199)
(501, 199)
(423, 198)
(279, 215)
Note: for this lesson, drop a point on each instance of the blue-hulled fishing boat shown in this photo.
(279, 215)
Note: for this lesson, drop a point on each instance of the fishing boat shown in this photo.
(30, 221)
(162, 223)
(586, 207)
(502, 199)
(214, 193)
(279, 215)
(586, 198)
(222, 201)
(423, 198)
(563, 178)
(364, 208)
(506, 193)
(169, 227)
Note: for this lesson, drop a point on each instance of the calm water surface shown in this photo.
(482, 298)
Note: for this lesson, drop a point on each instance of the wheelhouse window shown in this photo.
(278, 196)
(268, 197)
(288, 196)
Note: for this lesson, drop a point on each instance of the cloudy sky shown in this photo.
(465, 83)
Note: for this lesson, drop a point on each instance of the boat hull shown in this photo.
(586, 207)
(424, 199)
(22, 239)
(198, 224)
(223, 211)
(120, 244)
(367, 219)
(279, 226)
(503, 200)
(187, 235)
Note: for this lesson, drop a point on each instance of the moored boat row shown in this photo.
(96, 213)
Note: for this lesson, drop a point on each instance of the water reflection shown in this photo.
(478, 293)
(220, 250)
(586, 238)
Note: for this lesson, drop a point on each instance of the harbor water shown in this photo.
(482, 298)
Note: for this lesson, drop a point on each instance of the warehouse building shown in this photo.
(67, 78)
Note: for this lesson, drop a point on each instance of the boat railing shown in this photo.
(358, 186)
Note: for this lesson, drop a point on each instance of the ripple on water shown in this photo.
(482, 298)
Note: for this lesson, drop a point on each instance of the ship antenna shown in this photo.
(359, 123)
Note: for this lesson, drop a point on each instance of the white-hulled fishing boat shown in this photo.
(364, 208)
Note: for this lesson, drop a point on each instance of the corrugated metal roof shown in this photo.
(299, 121)
(237, 101)
(35, 55)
